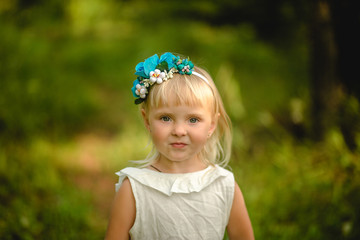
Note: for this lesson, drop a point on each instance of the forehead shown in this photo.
(189, 102)
(181, 110)
(181, 91)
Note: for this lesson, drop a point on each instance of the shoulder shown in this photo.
(239, 225)
(223, 170)
(129, 172)
(123, 212)
(125, 189)
(227, 174)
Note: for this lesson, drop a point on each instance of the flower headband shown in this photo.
(157, 70)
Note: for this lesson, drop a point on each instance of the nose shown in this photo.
(179, 130)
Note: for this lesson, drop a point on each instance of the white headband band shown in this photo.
(201, 76)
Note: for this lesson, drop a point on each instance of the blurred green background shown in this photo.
(68, 122)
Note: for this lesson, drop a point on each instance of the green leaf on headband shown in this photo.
(138, 101)
(163, 66)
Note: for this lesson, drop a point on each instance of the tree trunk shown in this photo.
(323, 68)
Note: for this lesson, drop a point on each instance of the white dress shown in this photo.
(180, 206)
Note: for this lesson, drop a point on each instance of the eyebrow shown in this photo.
(187, 114)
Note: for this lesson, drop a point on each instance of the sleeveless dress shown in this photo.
(180, 206)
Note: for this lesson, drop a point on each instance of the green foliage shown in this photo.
(301, 189)
(36, 202)
(38, 93)
(70, 71)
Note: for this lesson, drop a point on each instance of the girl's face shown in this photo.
(179, 132)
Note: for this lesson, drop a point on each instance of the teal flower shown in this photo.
(140, 70)
(184, 66)
(156, 70)
(143, 69)
(165, 62)
(169, 59)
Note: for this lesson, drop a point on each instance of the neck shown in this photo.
(167, 166)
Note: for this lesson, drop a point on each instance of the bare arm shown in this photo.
(239, 226)
(122, 213)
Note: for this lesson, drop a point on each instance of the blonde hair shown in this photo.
(191, 90)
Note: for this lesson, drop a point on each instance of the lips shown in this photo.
(178, 145)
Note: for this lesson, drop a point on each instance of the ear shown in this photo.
(214, 123)
(146, 119)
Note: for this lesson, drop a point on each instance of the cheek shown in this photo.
(158, 133)
(200, 136)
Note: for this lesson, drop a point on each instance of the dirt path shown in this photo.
(89, 172)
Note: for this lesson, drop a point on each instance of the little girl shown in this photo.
(182, 190)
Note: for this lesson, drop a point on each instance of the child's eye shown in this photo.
(165, 118)
(193, 120)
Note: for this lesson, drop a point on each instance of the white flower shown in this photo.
(170, 74)
(157, 76)
(141, 91)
